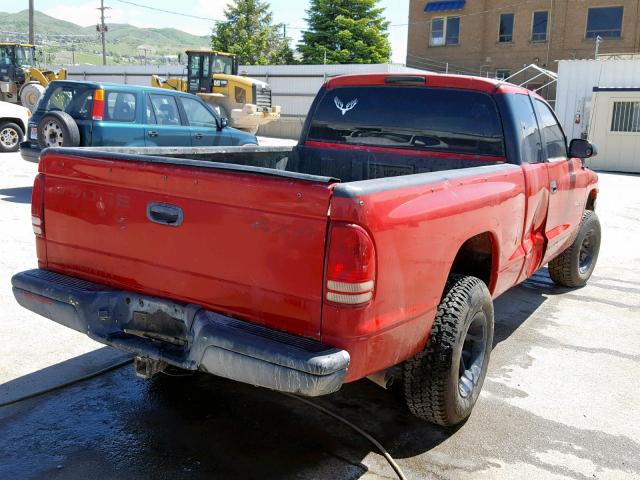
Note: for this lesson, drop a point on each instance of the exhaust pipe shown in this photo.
(383, 378)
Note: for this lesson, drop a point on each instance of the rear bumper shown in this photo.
(185, 336)
(28, 153)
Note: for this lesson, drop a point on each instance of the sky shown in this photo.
(84, 12)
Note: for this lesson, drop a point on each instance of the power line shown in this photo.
(170, 12)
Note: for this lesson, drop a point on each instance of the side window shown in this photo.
(197, 113)
(194, 66)
(165, 109)
(527, 125)
(205, 67)
(552, 135)
(120, 107)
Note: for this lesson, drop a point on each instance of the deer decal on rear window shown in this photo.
(342, 108)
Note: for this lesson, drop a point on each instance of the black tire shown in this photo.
(58, 129)
(574, 266)
(10, 137)
(438, 385)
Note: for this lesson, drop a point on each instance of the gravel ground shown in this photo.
(560, 400)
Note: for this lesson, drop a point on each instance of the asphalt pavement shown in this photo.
(561, 399)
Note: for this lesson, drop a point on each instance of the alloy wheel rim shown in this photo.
(9, 137)
(472, 356)
(53, 136)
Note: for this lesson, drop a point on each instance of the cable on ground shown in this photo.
(378, 445)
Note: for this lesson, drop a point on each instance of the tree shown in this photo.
(346, 31)
(249, 32)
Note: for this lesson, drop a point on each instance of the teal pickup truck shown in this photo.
(90, 114)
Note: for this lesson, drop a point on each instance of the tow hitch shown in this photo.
(147, 367)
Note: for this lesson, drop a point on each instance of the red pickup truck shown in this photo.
(372, 249)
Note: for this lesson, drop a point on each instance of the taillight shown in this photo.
(98, 105)
(37, 205)
(351, 266)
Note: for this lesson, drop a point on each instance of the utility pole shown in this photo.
(102, 28)
(73, 54)
(31, 36)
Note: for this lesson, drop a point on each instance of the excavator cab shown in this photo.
(20, 80)
(213, 76)
(15, 58)
(203, 65)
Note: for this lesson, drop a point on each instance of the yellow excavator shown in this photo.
(213, 76)
(20, 80)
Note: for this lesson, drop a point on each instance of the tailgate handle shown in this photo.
(165, 214)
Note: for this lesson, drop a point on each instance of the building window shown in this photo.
(539, 26)
(506, 28)
(445, 31)
(453, 30)
(604, 22)
(626, 117)
(502, 74)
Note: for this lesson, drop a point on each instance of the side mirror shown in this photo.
(579, 148)
(224, 122)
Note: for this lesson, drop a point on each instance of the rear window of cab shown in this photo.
(416, 118)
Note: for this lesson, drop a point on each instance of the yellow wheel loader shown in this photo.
(213, 76)
(20, 80)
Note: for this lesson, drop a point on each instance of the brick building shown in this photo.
(499, 37)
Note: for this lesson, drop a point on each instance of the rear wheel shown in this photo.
(58, 129)
(574, 266)
(10, 137)
(442, 383)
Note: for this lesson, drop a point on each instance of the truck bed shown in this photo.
(351, 164)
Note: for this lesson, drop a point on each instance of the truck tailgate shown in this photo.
(249, 242)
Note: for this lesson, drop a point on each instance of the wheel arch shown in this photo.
(592, 199)
(17, 121)
(477, 256)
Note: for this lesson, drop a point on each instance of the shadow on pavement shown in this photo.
(16, 195)
(201, 426)
(59, 373)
